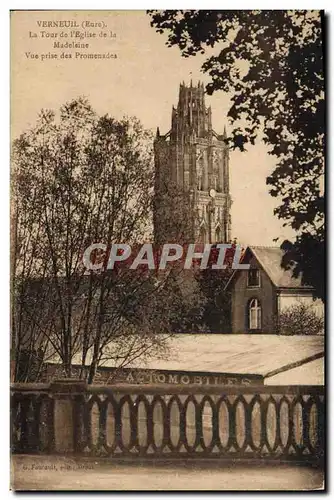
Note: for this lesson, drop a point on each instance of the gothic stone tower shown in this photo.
(192, 175)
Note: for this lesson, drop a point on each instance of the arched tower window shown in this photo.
(254, 314)
(218, 235)
(202, 234)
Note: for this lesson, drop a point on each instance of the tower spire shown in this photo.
(193, 157)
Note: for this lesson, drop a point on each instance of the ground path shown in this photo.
(59, 473)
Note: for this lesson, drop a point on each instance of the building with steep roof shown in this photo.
(259, 294)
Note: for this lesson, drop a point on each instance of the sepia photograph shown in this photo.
(167, 250)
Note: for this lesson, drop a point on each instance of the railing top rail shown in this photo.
(206, 389)
(29, 387)
(171, 389)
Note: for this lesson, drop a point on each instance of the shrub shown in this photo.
(300, 319)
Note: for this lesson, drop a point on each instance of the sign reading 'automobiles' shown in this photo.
(186, 378)
(149, 376)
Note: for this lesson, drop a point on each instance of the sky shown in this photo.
(143, 81)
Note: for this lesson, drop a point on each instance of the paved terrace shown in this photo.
(59, 473)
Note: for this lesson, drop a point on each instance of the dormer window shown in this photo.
(253, 278)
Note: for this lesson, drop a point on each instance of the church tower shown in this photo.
(192, 195)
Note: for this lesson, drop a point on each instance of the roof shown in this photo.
(270, 259)
(236, 353)
(311, 373)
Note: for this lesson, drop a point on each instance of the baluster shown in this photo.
(134, 423)
(102, 425)
(118, 425)
(248, 408)
(263, 409)
(290, 432)
(199, 424)
(182, 424)
(174, 423)
(232, 426)
(215, 425)
(306, 423)
(166, 426)
(150, 436)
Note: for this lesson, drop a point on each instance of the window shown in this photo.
(199, 183)
(253, 278)
(202, 235)
(254, 315)
(186, 179)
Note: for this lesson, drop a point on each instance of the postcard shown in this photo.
(167, 250)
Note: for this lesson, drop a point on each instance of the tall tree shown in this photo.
(272, 64)
(77, 180)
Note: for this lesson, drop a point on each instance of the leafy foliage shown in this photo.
(272, 64)
(217, 300)
(300, 319)
(80, 179)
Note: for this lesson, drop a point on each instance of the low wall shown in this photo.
(276, 422)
